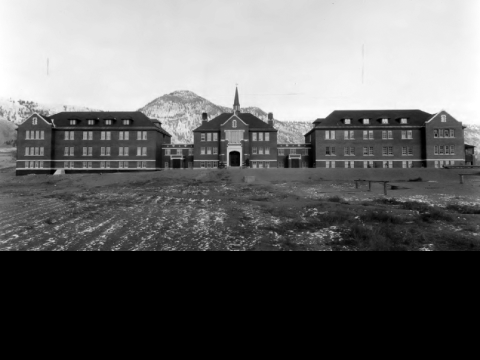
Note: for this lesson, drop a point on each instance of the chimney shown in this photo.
(270, 119)
(205, 117)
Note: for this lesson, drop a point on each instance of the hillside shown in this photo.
(7, 132)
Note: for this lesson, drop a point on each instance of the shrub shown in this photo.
(381, 217)
(335, 199)
(463, 209)
(436, 214)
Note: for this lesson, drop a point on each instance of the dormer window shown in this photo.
(444, 118)
(91, 122)
(348, 121)
(73, 122)
(384, 121)
(35, 121)
(108, 122)
(404, 121)
(366, 121)
(126, 122)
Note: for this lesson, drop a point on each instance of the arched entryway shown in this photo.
(234, 159)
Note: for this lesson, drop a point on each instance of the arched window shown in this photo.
(34, 121)
(234, 124)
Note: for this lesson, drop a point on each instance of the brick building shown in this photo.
(386, 139)
(235, 139)
(82, 142)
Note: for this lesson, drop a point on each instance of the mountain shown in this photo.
(180, 113)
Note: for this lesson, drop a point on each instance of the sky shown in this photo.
(300, 59)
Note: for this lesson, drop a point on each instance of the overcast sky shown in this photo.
(300, 59)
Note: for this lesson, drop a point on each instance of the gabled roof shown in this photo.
(251, 120)
(415, 117)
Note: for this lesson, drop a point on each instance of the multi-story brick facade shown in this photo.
(130, 141)
(235, 139)
(90, 142)
(386, 139)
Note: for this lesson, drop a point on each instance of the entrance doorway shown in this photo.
(295, 163)
(177, 164)
(234, 159)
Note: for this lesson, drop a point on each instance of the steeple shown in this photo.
(236, 105)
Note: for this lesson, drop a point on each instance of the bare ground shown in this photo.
(198, 210)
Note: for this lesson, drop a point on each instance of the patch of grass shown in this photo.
(436, 214)
(416, 206)
(335, 199)
(381, 217)
(464, 209)
(385, 201)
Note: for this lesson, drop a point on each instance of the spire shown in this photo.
(236, 105)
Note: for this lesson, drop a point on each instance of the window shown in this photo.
(349, 164)
(204, 137)
(390, 151)
(388, 164)
(365, 151)
(27, 135)
(385, 151)
(366, 121)
(234, 137)
(404, 121)
(330, 151)
(407, 135)
(254, 136)
(384, 121)
(123, 151)
(384, 135)
(267, 136)
(34, 121)
(69, 135)
(209, 137)
(254, 151)
(126, 122)
(260, 136)
(215, 151)
(190, 152)
(209, 151)
(442, 150)
(91, 122)
(167, 152)
(436, 150)
(42, 151)
(349, 151)
(348, 121)
(202, 164)
(330, 135)
(349, 135)
(108, 122)
(215, 137)
(27, 151)
(365, 135)
(452, 133)
(452, 150)
(281, 152)
(444, 118)
(202, 151)
(124, 135)
(234, 124)
(267, 151)
(260, 150)
(435, 133)
(293, 152)
(73, 122)
(102, 151)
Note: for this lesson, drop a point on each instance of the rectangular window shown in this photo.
(91, 122)
(108, 122)
(254, 151)
(281, 152)
(404, 135)
(330, 135)
(366, 121)
(144, 151)
(447, 150)
(452, 133)
(28, 135)
(267, 136)
(260, 136)
(390, 135)
(267, 151)
(66, 165)
(452, 150)
(85, 135)
(42, 151)
(410, 151)
(215, 151)
(293, 152)
(370, 135)
(202, 151)
(85, 164)
(441, 133)
(42, 135)
(102, 135)
(209, 151)
(108, 151)
(204, 137)
(37, 135)
(209, 137)
(390, 151)
(442, 150)
(404, 121)
(120, 151)
(85, 151)
(409, 134)
(404, 151)
(190, 152)
(254, 136)
(126, 122)
(436, 152)
(365, 135)
(126, 151)
(384, 135)
(260, 150)
(72, 151)
(102, 151)
(139, 151)
(120, 136)
(385, 151)
(444, 118)
(167, 152)
(202, 165)
(215, 137)
(435, 133)
(365, 151)
(102, 165)
(27, 151)
(73, 122)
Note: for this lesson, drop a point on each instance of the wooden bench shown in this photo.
(462, 177)
(385, 183)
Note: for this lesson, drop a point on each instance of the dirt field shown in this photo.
(214, 210)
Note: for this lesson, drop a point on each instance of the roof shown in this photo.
(336, 118)
(251, 120)
(139, 119)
